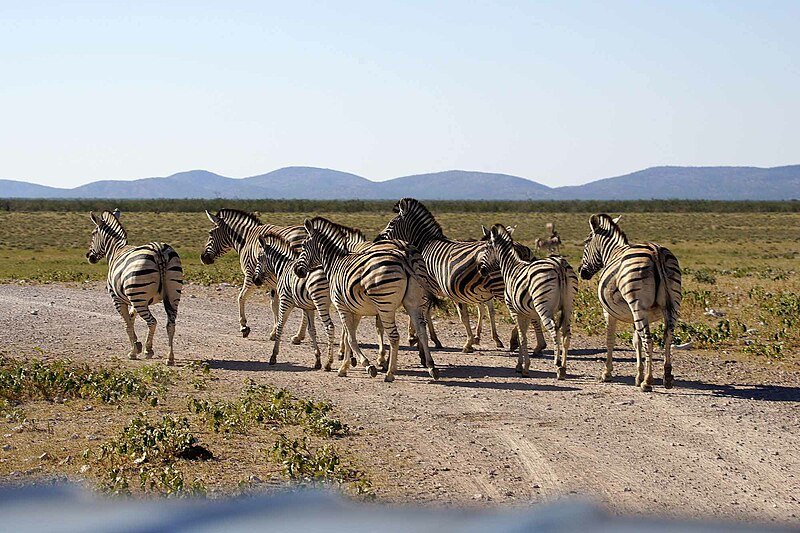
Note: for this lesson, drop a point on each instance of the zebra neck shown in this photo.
(278, 262)
(113, 248)
(508, 258)
(612, 252)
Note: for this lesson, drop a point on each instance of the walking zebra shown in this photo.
(309, 293)
(639, 283)
(234, 229)
(540, 291)
(453, 264)
(375, 280)
(138, 276)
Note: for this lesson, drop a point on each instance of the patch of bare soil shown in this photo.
(724, 443)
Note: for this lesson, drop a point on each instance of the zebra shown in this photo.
(138, 276)
(453, 264)
(540, 291)
(639, 284)
(375, 279)
(309, 294)
(233, 229)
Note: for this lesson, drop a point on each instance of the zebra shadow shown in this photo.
(532, 385)
(258, 366)
(742, 391)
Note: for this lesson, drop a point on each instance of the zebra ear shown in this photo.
(616, 220)
(94, 218)
(511, 229)
(213, 218)
(262, 242)
(307, 224)
(485, 232)
(594, 222)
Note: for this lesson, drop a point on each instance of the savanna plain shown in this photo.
(724, 443)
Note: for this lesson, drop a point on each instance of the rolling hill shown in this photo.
(666, 182)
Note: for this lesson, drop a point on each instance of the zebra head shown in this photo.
(219, 240)
(310, 255)
(488, 261)
(604, 237)
(107, 233)
(262, 265)
(413, 223)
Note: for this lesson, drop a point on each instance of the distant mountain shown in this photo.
(694, 183)
(464, 185)
(708, 183)
(22, 189)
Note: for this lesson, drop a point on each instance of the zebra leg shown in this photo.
(350, 322)
(148, 317)
(417, 317)
(668, 377)
(637, 346)
(647, 351)
(172, 314)
(244, 294)
(412, 334)
(285, 307)
(549, 324)
(463, 314)
(479, 324)
(301, 331)
(513, 343)
(312, 331)
(431, 332)
(274, 304)
(611, 336)
(566, 338)
(523, 361)
(381, 345)
(495, 337)
(323, 309)
(389, 325)
(127, 317)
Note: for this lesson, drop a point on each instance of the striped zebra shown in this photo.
(239, 230)
(540, 291)
(309, 293)
(639, 284)
(374, 280)
(453, 264)
(138, 276)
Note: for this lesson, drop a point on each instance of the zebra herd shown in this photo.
(411, 263)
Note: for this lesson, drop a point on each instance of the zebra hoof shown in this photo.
(605, 377)
(437, 343)
(412, 341)
(297, 340)
(526, 373)
(170, 362)
(477, 340)
(468, 349)
(342, 373)
(353, 362)
(434, 373)
(513, 347)
(646, 387)
(273, 360)
(138, 347)
(498, 343)
(272, 336)
(372, 371)
(317, 365)
(388, 378)
(246, 331)
(518, 370)
(148, 354)
(668, 382)
(561, 373)
(327, 368)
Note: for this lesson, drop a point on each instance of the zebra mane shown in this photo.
(229, 214)
(605, 226)
(416, 212)
(328, 226)
(279, 243)
(113, 227)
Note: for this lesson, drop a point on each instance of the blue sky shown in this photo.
(559, 92)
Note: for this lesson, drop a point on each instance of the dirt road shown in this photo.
(724, 443)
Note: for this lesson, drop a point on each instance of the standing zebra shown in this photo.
(453, 264)
(639, 284)
(375, 280)
(137, 277)
(239, 230)
(542, 291)
(309, 293)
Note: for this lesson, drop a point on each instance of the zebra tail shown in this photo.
(417, 268)
(671, 315)
(565, 290)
